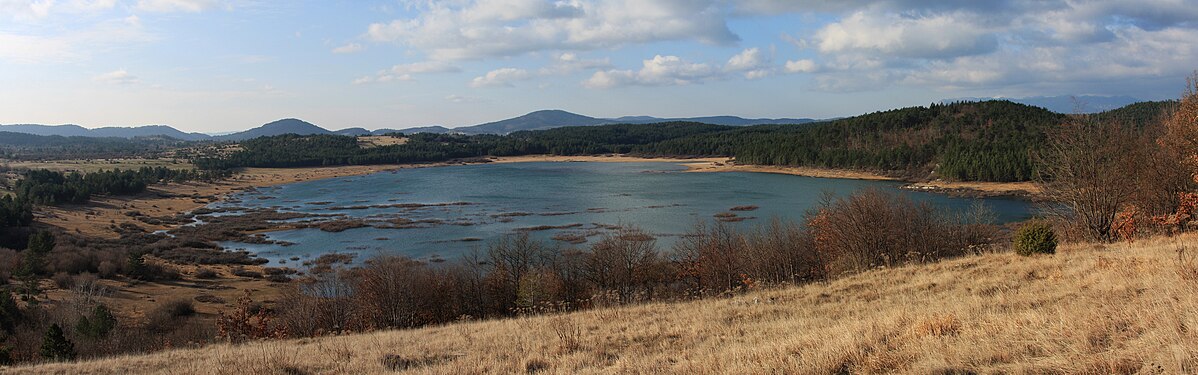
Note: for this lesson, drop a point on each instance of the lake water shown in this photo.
(479, 203)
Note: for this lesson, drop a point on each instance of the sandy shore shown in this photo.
(602, 159)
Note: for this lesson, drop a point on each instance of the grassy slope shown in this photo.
(1089, 309)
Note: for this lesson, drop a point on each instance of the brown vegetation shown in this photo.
(1128, 307)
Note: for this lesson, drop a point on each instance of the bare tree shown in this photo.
(623, 262)
(1090, 167)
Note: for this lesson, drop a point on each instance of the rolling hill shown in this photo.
(120, 132)
(548, 119)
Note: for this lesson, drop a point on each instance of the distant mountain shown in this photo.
(533, 121)
(148, 131)
(280, 127)
(1067, 104)
(352, 132)
(120, 132)
(437, 129)
(539, 120)
(715, 120)
(549, 119)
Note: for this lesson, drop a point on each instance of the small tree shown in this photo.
(136, 265)
(1181, 127)
(55, 346)
(1035, 237)
(10, 314)
(98, 325)
(1091, 168)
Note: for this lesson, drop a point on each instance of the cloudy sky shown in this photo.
(220, 65)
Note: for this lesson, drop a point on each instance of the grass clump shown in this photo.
(1035, 237)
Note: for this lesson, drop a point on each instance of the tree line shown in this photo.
(973, 141)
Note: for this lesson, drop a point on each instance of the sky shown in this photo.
(223, 65)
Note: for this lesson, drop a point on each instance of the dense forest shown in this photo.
(21, 146)
(973, 141)
(47, 187)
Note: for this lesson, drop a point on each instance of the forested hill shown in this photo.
(986, 141)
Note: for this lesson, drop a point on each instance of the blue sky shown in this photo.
(218, 65)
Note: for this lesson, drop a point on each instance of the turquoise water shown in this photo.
(492, 200)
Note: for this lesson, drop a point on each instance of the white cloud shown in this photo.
(660, 70)
(407, 72)
(751, 63)
(470, 29)
(936, 36)
(502, 77)
(569, 62)
(167, 6)
(800, 66)
(72, 45)
(117, 77)
(462, 99)
(348, 48)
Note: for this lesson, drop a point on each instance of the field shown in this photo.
(369, 141)
(1098, 309)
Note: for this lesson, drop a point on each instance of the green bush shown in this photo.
(1035, 237)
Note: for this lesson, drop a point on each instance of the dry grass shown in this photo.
(371, 141)
(1097, 309)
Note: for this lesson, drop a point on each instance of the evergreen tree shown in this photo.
(98, 325)
(55, 346)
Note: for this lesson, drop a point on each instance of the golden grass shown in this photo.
(371, 141)
(1097, 309)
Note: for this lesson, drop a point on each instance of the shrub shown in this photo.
(169, 315)
(98, 325)
(1035, 237)
(205, 273)
(63, 280)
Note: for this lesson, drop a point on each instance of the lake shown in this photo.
(447, 211)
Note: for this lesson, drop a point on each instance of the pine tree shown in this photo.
(55, 346)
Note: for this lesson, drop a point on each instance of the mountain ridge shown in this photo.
(536, 120)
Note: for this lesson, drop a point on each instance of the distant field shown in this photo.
(93, 165)
(380, 141)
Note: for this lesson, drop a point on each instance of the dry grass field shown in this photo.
(370, 141)
(1090, 309)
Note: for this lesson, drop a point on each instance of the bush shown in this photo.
(205, 273)
(63, 280)
(1035, 237)
(167, 316)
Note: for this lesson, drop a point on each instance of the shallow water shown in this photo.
(492, 200)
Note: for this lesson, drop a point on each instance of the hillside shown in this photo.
(279, 127)
(1067, 104)
(1121, 308)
